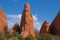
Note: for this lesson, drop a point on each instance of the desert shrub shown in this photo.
(29, 38)
(47, 37)
(17, 36)
(21, 38)
(8, 35)
(6, 29)
(2, 36)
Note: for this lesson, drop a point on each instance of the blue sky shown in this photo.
(41, 9)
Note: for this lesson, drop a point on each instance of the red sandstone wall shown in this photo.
(55, 25)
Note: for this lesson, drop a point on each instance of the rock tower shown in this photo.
(26, 26)
(44, 28)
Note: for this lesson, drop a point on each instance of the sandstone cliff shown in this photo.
(55, 25)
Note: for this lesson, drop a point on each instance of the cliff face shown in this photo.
(55, 25)
(26, 26)
(3, 21)
(44, 28)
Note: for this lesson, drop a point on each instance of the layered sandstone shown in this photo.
(55, 25)
(44, 28)
(3, 21)
(26, 26)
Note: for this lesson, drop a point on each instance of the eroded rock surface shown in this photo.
(55, 25)
(16, 28)
(3, 21)
(44, 28)
(26, 26)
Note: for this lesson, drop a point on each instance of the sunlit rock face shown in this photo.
(26, 26)
(55, 25)
(44, 28)
(3, 21)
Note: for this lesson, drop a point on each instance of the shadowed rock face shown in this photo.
(3, 21)
(44, 28)
(55, 25)
(26, 26)
(16, 28)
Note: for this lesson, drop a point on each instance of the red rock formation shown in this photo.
(55, 25)
(3, 22)
(44, 28)
(26, 26)
(16, 27)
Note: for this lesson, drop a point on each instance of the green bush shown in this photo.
(47, 37)
(17, 36)
(29, 38)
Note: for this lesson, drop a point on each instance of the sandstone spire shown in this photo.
(44, 28)
(26, 26)
(3, 21)
(55, 25)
